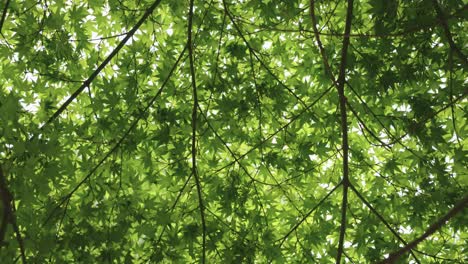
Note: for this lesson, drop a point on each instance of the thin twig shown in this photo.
(328, 68)
(119, 143)
(233, 155)
(383, 144)
(283, 127)
(252, 51)
(457, 14)
(106, 61)
(308, 214)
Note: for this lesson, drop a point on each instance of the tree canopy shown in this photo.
(247, 131)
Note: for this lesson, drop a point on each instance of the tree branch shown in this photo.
(328, 69)
(19, 239)
(432, 229)
(6, 198)
(9, 215)
(383, 144)
(448, 34)
(252, 51)
(344, 122)
(283, 127)
(98, 70)
(233, 155)
(119, 143)
(339, 84)
(372, 209)
(4, 14)
(294, 228)
(194, 130)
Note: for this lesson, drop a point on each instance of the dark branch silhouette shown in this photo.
(91, 78)
(252, 51)
(9, 215)
(5, 195)
(4, 14)
(458, 208)
(328, 68)
(294, 228)
(344, 128)
(339, 84)
(424, 27)
(283, 127)
(385, 222)
(194, 131)
(119, 143)
(448, 33)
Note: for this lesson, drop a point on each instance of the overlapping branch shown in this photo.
(376, 213)
(283, 127)
(339, 83)
(121, 140)
(458, 208)
(103, 64)
(252, 51)
(448, 33)
(294, 228)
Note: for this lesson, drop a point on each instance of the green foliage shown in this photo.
(109, 179)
